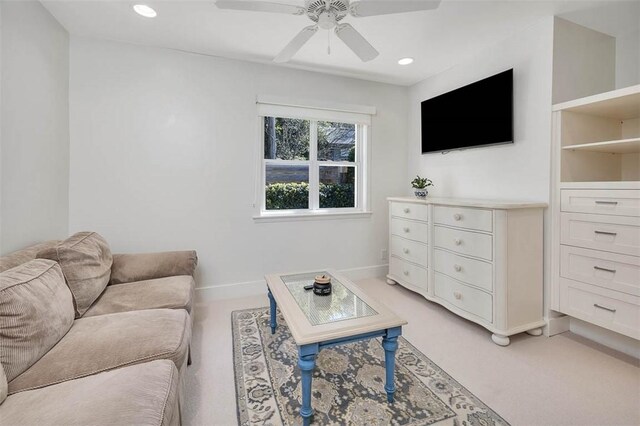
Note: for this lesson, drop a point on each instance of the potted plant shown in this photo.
(420, 186)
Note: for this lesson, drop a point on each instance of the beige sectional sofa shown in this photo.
(87, 337)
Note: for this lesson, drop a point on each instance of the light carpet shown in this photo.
(348, 382)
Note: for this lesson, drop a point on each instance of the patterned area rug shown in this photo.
(348, 382)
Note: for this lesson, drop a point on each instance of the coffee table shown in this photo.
(317, 322)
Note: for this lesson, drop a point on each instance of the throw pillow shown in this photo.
(85, 259)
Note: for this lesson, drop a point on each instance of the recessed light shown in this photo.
(405, 61)
(144, 10)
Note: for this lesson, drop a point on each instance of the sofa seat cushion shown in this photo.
(170, 292)
(19, 257)
(143, 394)
(85, 259)
(36, 311)
(105, 342)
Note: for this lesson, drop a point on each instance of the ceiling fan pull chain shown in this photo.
(328, 42)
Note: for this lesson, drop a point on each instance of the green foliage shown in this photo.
(292, 195)
(286, 138)
(421, 183)
(295, 195)
(336, 195)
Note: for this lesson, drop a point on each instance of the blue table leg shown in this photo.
(272, 304)
(390, 344)
(307, 362)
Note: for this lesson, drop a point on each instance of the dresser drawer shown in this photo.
(464, 242)
(412, 251)
(613, 271)
(467, 298)
(408, 272)
(416, 231)
(620, 202)
(607, 308)
(470, 271)
(410, 211)
(463, 217)
(618, 234)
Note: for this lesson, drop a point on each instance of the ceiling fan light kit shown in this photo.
(327, 14)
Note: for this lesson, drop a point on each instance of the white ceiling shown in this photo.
(437, 39)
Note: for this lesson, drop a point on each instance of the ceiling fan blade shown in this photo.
(260, 6)
(387, 7)
(356, 42)
(296, 44)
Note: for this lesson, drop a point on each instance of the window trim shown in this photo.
(363, 140)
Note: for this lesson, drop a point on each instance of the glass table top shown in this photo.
(340, 305)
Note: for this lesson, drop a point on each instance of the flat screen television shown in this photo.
(474, 115)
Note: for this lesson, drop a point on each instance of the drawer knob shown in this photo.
(604, 307)
(457, 241)
(458, 268)
(457, 216)
(457, 295)
(406, 229)
(406, 210)
(405, 272)
(405, 250)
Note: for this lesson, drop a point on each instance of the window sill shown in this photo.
(294, 217)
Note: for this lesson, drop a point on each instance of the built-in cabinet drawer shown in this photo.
(617, 234)
(470, 271)
(405, 271)
(412, 251)
(416, 231)
(410, 211)
(606, 308)
(620, 202)
(462, 296)
(609, 270)
(464, 217)
(464, 242)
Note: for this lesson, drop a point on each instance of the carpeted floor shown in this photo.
(348, 382)
(563, 380)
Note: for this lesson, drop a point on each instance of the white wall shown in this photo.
(628, 59)
(34, 165)
(584, 61)
(163, 155)
(518, 171)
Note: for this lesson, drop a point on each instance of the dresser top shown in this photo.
(466, 202)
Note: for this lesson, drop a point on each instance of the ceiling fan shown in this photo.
(327, 14)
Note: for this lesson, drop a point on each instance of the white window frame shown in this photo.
(358, 115)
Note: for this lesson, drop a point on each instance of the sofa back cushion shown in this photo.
(85, 259)
(19, 257)
(36, 308)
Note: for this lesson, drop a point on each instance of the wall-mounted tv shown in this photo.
(474, 115)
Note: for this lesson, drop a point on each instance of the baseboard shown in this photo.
(256, 288)
(605, 337)
(557, 325)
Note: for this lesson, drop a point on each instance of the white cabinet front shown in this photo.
(470, 271)
(464, 242)
(416, 231)
(412, 251)
(408, 272)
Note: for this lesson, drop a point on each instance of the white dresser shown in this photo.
(480, 259)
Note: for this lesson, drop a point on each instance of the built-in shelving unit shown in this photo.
(595, 210)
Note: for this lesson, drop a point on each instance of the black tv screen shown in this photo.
(478, 114)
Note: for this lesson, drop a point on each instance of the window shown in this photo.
(312, 164)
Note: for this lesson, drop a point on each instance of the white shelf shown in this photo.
(621, 146)
(622, 104)
(601, 185)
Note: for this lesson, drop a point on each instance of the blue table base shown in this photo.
(307, 358)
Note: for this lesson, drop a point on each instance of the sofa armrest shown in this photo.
(146, 266)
